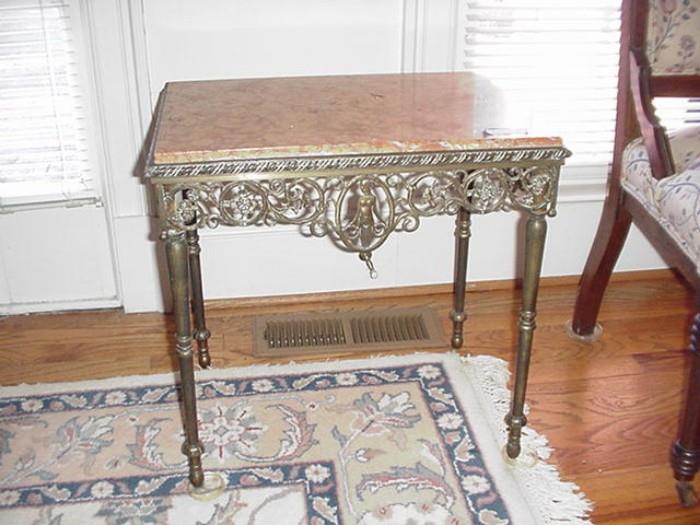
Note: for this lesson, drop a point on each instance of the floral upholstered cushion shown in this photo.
(672, 37)
(636, 172)
(675, 200)
(679, 205)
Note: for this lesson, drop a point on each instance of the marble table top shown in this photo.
(220, 120)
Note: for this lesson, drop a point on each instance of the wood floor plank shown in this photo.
(636, 496)
(610, 409)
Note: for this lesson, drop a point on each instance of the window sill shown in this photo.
(41, 202)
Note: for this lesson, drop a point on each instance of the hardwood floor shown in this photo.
(609, 408)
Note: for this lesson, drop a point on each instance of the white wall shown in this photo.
(190, 40)
(55, 259)
(140, 44)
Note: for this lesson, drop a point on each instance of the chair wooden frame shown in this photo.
(637, 86)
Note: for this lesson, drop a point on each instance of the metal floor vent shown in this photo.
(354, 331)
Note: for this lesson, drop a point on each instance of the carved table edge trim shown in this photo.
(355, 164)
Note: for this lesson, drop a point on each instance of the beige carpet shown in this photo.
(395, 440)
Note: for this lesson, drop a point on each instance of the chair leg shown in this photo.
(685, 452)
(607, 245)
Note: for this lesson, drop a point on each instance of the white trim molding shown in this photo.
(412, 38)
(429, 36)
(121, 80)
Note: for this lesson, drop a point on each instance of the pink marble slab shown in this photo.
(281, 117)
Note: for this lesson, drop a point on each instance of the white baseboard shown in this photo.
(58, 306)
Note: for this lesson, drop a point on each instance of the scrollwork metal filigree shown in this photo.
(358, 212)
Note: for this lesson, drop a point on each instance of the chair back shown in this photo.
(660, 57)
(673, 37)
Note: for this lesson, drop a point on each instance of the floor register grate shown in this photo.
(351, 331)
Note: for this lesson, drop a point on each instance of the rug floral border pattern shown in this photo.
(320, 491)
(452, 426)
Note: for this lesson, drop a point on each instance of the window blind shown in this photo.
(556, 64)
(43, 139)
(676, 113)
(555, 61)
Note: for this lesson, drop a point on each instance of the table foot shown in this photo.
(515, 426)
(213, 486)
(523, 460)
(202, 338)
(457, 329)
(194, 462)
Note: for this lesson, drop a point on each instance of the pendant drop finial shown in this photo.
(367, 258)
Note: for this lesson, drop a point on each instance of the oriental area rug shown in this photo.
(405, 440)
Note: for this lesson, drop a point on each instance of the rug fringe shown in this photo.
(556, 501)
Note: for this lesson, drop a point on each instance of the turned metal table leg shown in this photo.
(176, 250)
(534, 249)
(685, 453)
(201, 334)
(462, 234)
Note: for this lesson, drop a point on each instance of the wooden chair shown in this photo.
(655, 182)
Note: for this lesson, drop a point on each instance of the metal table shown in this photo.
(354, 158)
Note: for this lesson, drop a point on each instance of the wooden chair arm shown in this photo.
(653, 134)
